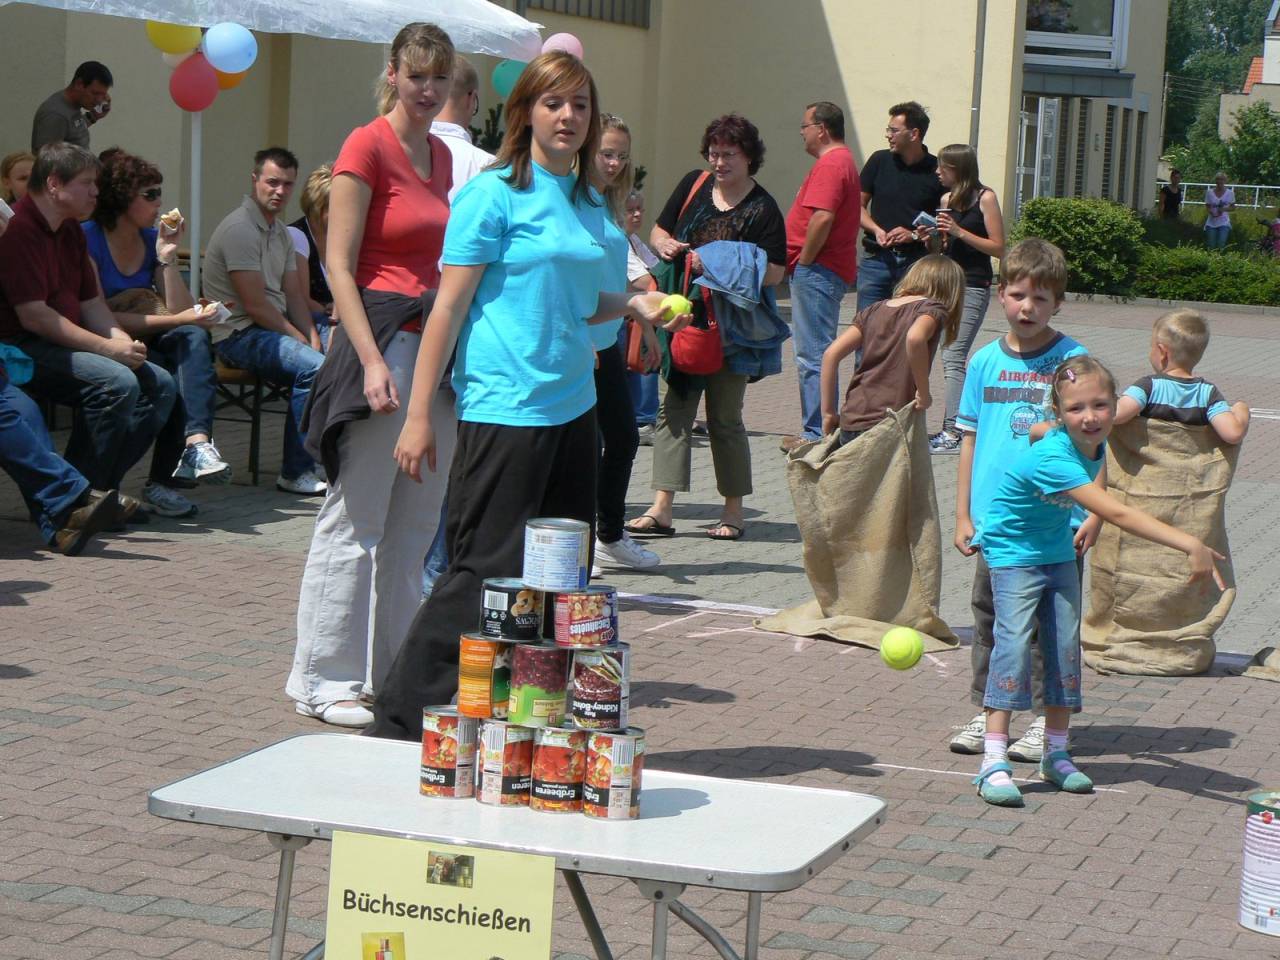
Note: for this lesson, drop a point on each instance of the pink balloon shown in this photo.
(193, 85)
(563, 41)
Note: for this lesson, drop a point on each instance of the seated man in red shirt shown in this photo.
(51, 307)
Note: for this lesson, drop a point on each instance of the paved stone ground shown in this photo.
(163, 651)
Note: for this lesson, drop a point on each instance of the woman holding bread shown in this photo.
(136, 254)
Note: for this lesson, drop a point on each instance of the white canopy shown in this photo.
(475, 26)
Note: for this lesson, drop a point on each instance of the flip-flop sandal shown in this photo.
(651, 529)
(736, 535)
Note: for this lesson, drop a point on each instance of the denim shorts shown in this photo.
(1048, 595)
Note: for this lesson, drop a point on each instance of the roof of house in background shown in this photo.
(1255, 74)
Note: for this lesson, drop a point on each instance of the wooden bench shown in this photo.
(249, 394)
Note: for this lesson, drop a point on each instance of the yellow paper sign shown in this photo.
(394, 899)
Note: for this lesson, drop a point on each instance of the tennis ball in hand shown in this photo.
(901, 648)
(674, 305)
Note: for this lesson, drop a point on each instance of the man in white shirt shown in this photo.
(450, 125)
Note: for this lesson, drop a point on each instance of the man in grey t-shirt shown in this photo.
(67, 115)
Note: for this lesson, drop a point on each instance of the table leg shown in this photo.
(661, 894)
(588, 914)
(753, 926)
(288, 847)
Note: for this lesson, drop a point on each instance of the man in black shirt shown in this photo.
(897, 184)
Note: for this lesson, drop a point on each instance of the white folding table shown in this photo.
(693, 831)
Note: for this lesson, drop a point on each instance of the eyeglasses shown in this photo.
(815, 123)
(727, 156)
(611, 155)
(151, 194)
(894, 131)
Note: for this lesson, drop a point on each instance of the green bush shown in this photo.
(1246, 230)
(1100, 239)
(1207, 276)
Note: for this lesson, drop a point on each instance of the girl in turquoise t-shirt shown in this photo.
(527, 267)
(1026, 538)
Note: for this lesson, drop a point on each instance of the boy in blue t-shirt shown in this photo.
(1003, 397)
(1178, 341)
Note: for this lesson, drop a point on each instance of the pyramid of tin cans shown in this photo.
(543, 692)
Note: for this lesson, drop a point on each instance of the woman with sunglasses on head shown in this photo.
(531, 259)
(612, 175)
(136, 255)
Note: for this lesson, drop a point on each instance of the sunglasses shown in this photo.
(151, 194)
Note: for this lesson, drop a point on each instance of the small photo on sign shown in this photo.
(450, 870)
(382, 946)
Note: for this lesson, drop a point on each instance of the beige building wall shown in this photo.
(1145, 60)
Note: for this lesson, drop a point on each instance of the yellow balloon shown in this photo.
(173, 37)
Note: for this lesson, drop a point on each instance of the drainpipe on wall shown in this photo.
(975, 108)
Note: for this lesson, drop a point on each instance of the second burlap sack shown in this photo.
(1144, 618)
(868, 517)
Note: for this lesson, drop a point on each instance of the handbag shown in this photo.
(694, 349)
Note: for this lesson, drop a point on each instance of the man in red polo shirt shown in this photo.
(822, 253)
(51, 307)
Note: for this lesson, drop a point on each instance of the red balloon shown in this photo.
(193, 85)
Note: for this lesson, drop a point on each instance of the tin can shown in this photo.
(484, 676)
(587, 617)
(509, 610)
(448, 753)
(505, 768)
(558, 757)
(539, 672)
(599, 695)
(611, 786)
(555, 554)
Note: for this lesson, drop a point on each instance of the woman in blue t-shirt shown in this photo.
(136, 255)
(529, 263)
(1026, 539)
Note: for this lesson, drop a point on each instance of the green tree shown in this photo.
(1250, 155)
(1208, 47)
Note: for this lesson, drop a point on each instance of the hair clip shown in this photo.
(1070, 375)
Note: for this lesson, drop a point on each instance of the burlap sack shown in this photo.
(1144, 618)
(868, 517)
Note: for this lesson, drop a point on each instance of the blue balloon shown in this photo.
(230, 48)
(505, 75)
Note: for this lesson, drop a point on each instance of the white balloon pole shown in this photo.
(193, 220)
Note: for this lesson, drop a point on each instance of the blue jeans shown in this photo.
(1047, 596)
(955, 355)
(879, 273)
(1215, 238)
(284, 361)
(48, 484)
(816, 293)
(118, 411)
(643, 387)
(185, 352)
(437, 560)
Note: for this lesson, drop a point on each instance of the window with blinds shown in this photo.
(634, 13)
(1122, 168)
(1138, 142)
(1108, 149)
(1082, 148)
(1060, 158)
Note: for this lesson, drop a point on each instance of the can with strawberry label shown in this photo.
(611, 781)
(558, 756)
(505, 766)
(448, 753)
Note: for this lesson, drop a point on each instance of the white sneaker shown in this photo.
(626, 553)
(969, 740)
(1029, 748)
(308, 484)
(339, 715)
(166, 501)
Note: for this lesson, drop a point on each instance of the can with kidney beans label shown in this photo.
(510, 610)
(484, 676)
(555, 554)
(505, 765)
(587, 618)
(538, 675)
(611, 787)
(558, 756)
(448, 753)
(600, 688)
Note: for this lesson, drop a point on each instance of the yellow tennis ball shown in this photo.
(674, 305)
(901, 648)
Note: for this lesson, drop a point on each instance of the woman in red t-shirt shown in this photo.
(388, 207)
